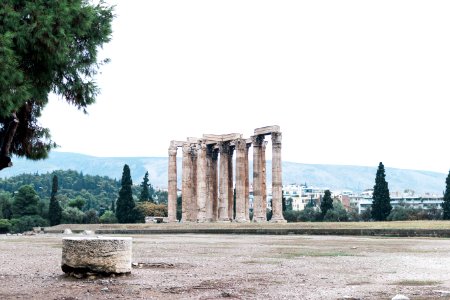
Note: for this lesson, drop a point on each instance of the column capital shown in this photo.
(257, 140)
(264, 144)
(240, 144)
(194, 149)
(276, 137)
(224, 147)
(172, 150)
(186, 148)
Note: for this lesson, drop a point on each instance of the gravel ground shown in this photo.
(188, 266)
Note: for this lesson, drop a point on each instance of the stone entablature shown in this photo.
(207, 189)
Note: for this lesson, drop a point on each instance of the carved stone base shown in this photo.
(102, 255)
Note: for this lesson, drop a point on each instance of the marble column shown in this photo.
(230, 185)
(186, 188)
(263, 181)
(209, 183)
(202, 189)
(247, 187)
(241, 147)
(214, 182)
(277, 205)
(172, 184)
(224, 149)
(193, 204)
(257, 141)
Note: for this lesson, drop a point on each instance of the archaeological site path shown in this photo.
(237, 266)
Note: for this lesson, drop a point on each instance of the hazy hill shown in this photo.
(355, 178)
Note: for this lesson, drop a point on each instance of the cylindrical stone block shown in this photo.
(105, 255)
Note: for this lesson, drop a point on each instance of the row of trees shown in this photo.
(381, 209)
(75, 198)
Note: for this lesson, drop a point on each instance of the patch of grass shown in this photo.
(257, 262)
(358, 283)
(417, 282)
(291, 255)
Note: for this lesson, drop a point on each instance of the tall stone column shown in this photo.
(193, 205)
(241, 147)
(209, 183)
(172, 184)
(263, 181)
(186, 188)
(246, 182)
(257, 141)
(215, 181)
(224, 149)
(277, 185)
(230, 185)
(202, 191)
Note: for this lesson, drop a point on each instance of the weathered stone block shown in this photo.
(104, 255)
(267, 130)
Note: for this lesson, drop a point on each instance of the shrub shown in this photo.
(27, 223)
(399, 213)
(72, 215)
(152, 209)
(291, 215)
(108, 218)
(366, 215)
(309, 215)
(5, 225)
(91, 217)
(336, 215)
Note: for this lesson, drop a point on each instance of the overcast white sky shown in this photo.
(349, 82)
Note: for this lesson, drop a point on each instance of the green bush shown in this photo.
(5, 225)
(399, 213)
(27, 223)
(72, 215)
(91, 217)
(336, 215)
(108, 218)
(291, 215)
(309, 215)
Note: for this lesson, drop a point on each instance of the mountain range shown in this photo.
(334, 177)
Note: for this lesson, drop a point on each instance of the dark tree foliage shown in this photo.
(446, 202)
(125, 203)
(96, 191)
(179, 207)
(145, 193)
(45, 47)
(5, 205)
(54, 209)
(113, 206)
(327, 203)
(381, 204)
(25, 202)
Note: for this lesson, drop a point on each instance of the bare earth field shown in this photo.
(188, 266)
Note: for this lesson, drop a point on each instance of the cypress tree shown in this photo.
(327, 203)
(113, 206)
(446, 203)
(145, 194)
(381, 203)
(54, 209)
(125, 203)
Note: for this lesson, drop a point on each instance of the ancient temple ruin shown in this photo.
(207, 185)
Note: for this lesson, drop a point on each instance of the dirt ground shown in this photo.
(188, 266)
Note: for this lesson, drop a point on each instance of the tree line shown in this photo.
(380, 210)
(69, 197)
